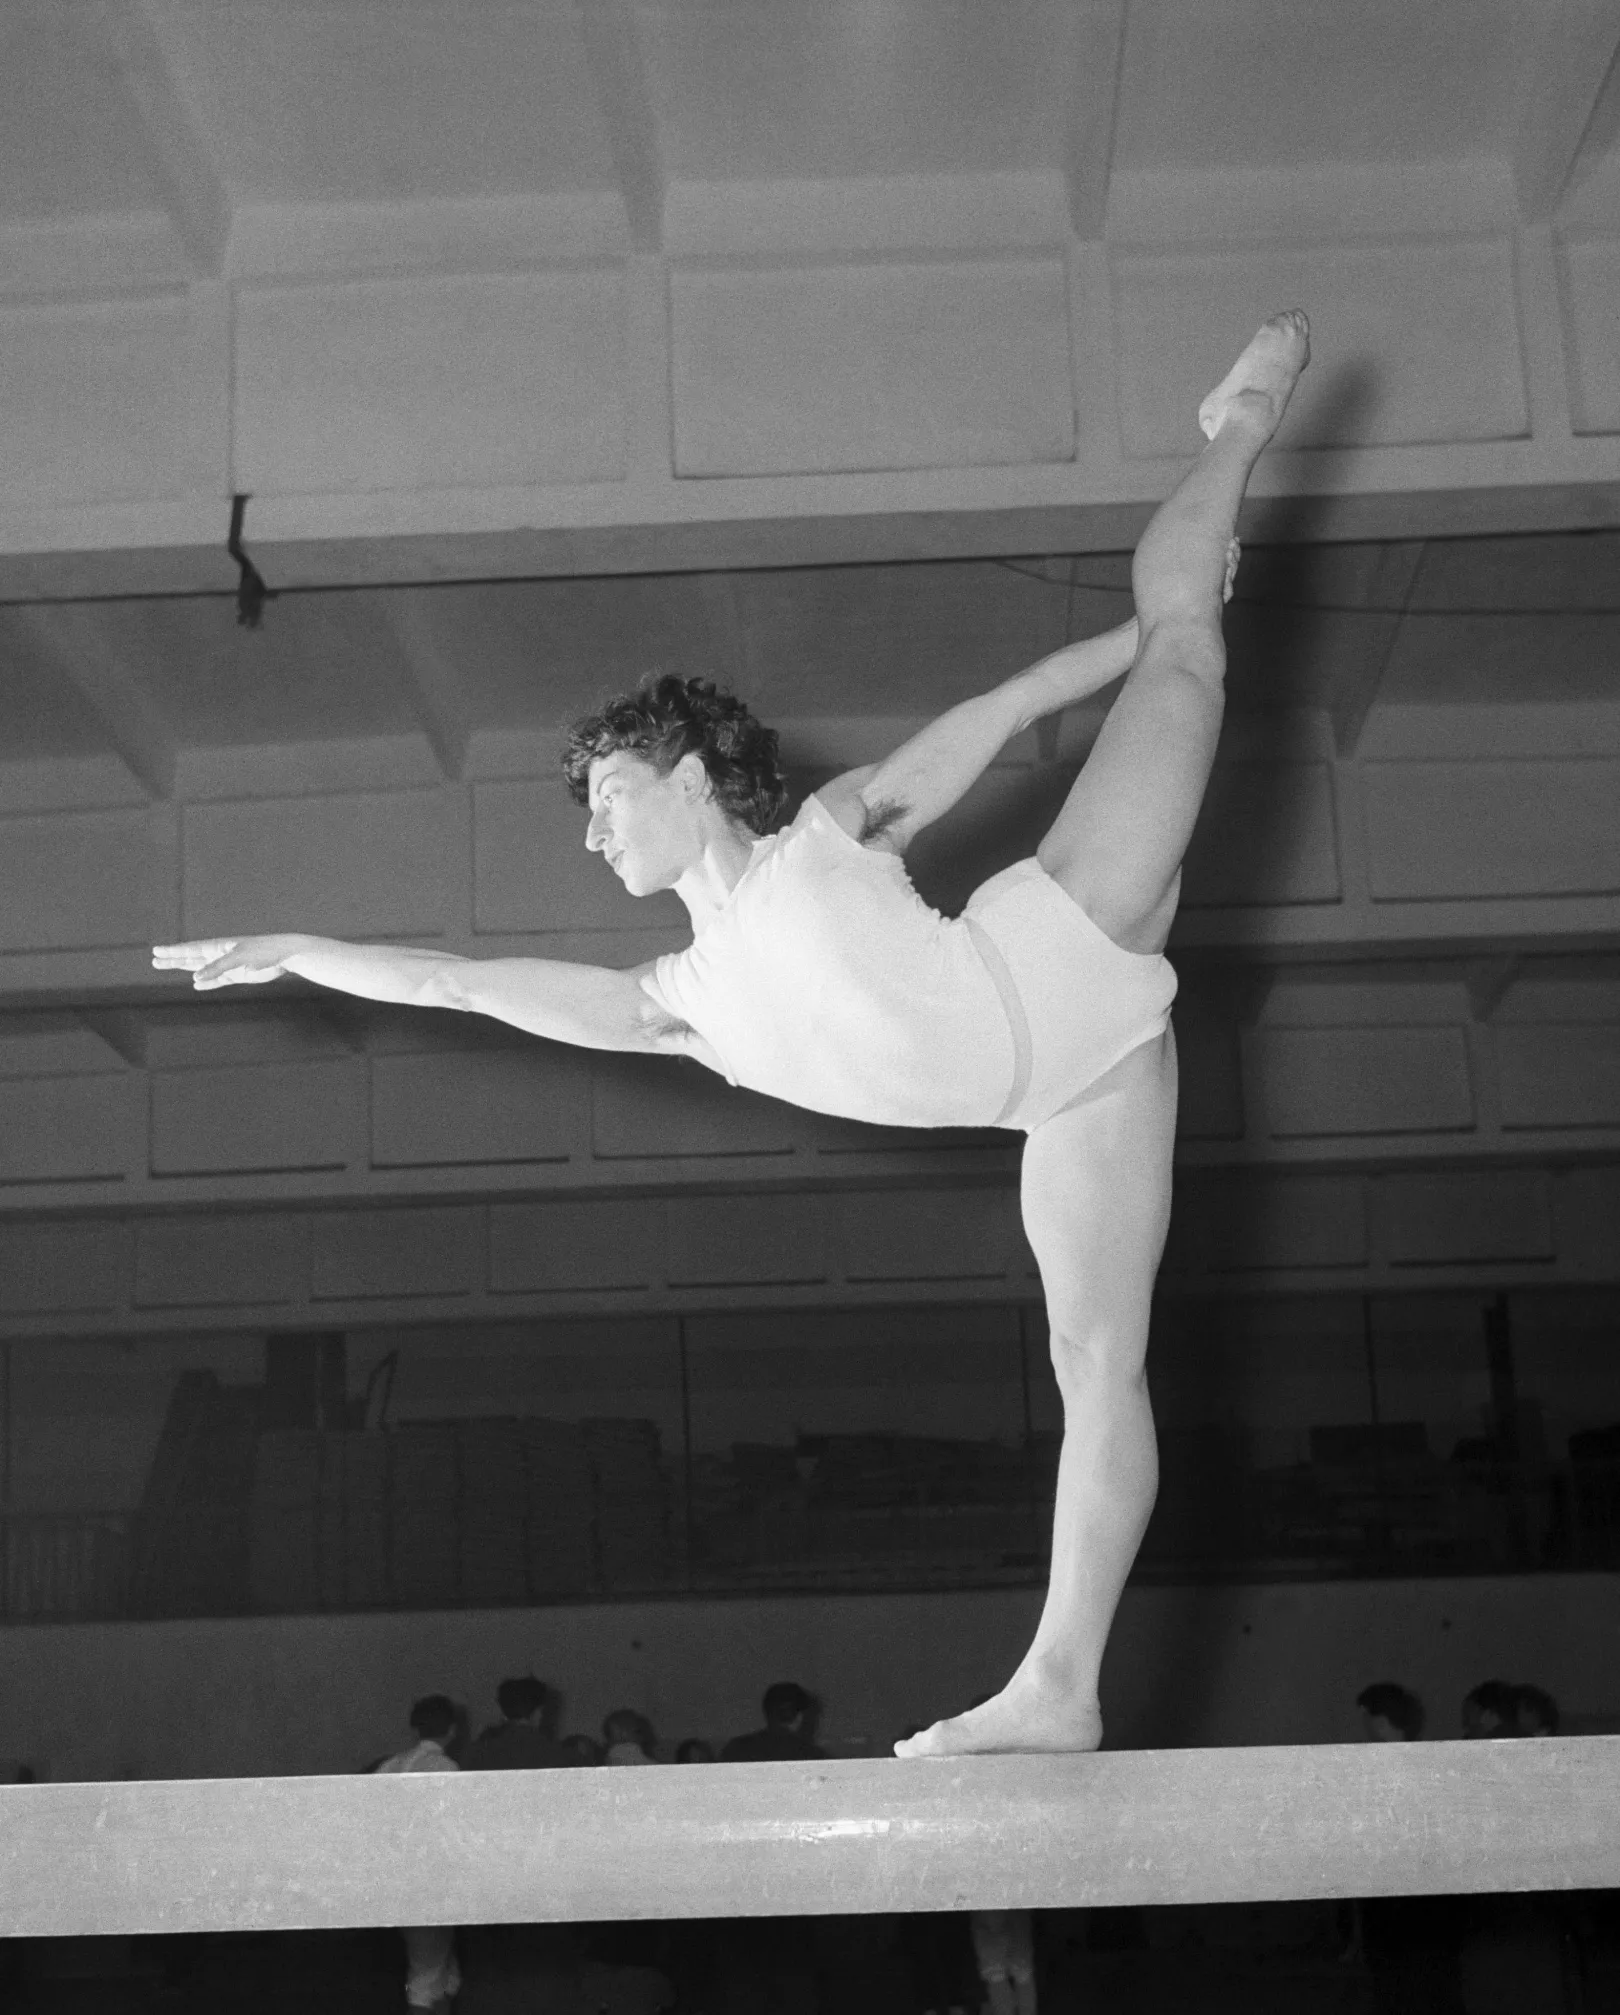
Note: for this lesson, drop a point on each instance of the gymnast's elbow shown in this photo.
(446, 985)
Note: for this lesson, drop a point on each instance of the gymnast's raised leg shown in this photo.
(1096, 1178)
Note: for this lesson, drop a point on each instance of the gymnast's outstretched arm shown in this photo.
(888, 803)
(594, 1007)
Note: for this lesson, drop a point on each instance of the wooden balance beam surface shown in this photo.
(790, 1839)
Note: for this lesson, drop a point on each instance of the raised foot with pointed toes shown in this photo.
(1256, 390)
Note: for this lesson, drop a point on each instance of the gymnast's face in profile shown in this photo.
(648, 826)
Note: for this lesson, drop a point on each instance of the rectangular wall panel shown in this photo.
(1454, 1217)
(432, 382)
(1318, 1082)
(1592, 332)
(1437, 830)
(48, 1268)
(496, 1105)
(384, 1254)
(68, 1129)
(942, 1234)
(532, 872)
(102, 401)
(1210, 1106)
(1563, 1074)
(352, 866)
(253, 1118)
(741, 1241)
(866, 365)
(606, 1243)
(1235, 1223)
(1265, 834)
(1588, 1221)
(1410, 342)
(221, 1262)
(77, 879)
(660, 1106)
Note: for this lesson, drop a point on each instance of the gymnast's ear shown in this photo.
(692, 778)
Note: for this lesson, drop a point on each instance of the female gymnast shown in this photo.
(817, 975)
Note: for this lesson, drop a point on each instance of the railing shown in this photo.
(64, 1566)
(1308, 1521)
(1315, 1520)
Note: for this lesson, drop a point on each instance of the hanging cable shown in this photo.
(251, 592)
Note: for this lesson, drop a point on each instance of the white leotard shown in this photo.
(827, 981)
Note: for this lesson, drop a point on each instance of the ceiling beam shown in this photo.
(1394, 580)
(728, 637)
(74, 640)
(1489, 982)
(1094, 117)
(193, 192)
(695, 543)
(1573, 65)
(126, 1031)
(614, 55)
(437, 695)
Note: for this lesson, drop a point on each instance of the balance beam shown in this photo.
(801, 1839)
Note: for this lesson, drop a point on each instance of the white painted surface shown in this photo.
(390, 246)
(870, 366)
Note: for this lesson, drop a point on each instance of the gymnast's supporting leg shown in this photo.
(1096, 1178)
(1096, 1199)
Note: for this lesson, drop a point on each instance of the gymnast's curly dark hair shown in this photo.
(666, 718)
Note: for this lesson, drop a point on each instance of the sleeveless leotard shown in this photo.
(827, 981)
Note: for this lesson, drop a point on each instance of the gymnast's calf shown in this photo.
(817, 975)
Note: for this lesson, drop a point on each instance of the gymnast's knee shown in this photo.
(1184, 643)
(1100, 1363)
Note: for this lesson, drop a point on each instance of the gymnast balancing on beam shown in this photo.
(817, 975)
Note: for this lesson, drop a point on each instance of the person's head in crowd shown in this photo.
(1390, 1713)
(523, 1699)
(695, 1750)
(1489, 1710)
(787, 1705)
(628, 1737)
(435, 1718)
(585, 1747)
(1535, 1712)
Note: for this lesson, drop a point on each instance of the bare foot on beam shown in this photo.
(1255, 392)
(1030, 1716)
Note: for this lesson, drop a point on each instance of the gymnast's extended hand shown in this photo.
(594, 1007)
(224, 962)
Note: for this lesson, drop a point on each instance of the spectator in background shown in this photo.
(790, 1715)
(1488, 1712)
(1535, 1712)
(1004, 1946)
(520, 1740)
(1409, 1943)
(1514, 1954)
(695, 1749)
(1390, 1713)
(628, 1737)
(432, 1978)
(583, 1748)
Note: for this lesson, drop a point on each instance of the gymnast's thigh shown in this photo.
(1095, 1191)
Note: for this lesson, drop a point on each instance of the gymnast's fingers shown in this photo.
(234, 968)
(192, 956)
